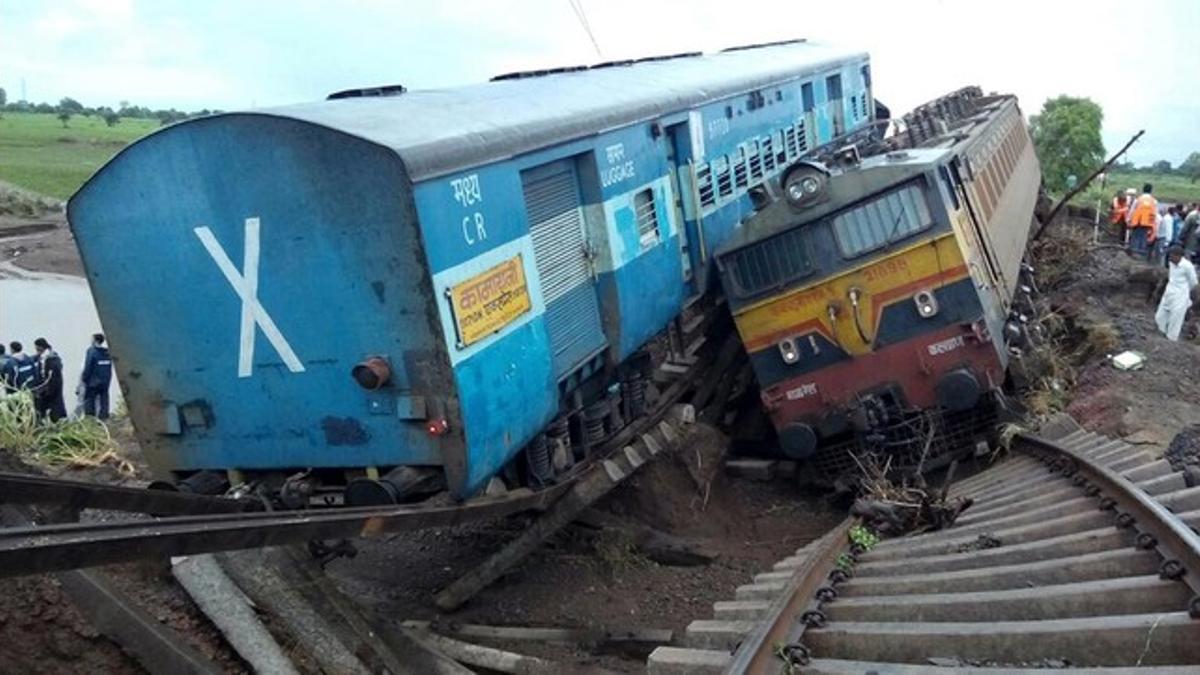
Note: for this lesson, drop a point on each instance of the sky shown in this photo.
(1138, 59)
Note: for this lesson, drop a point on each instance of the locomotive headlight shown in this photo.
(805, 185)
(789, 351)
(927, 305)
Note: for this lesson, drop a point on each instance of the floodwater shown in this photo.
(58, 307)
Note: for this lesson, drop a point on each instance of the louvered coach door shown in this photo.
(555, 211)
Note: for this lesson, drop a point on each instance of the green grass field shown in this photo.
(38, 154)
(1170, 189)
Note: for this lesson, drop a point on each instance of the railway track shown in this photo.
(1078, 552)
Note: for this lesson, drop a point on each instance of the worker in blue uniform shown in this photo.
(21, 370)
(97, 375)
(48, 394)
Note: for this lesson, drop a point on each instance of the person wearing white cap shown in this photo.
(1130, 198)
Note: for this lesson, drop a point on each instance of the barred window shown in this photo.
(647, 218)
(881, 221)
(770, 263)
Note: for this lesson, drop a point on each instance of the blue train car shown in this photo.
(424, 279)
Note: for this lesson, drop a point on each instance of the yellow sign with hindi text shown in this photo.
(489, 301)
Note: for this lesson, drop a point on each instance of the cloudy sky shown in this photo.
(1139, 59)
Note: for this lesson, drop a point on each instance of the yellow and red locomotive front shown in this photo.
(873, 303)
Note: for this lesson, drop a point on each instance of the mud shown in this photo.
(582, 581)
(1147, 406)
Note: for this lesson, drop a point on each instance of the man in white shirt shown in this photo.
(1181, 279)
(1166, 230)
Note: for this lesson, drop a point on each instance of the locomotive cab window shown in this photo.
(882, 220)
(769, 264)
(647, 218)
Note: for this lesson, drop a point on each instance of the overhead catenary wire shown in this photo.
(577, 7)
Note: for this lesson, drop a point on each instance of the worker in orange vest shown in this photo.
(1120, 213)
(1143, 222)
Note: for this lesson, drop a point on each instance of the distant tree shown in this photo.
(1162, 166)
(64, 117)
(43, 108)
(70, 105)
(111, 118)
(1122, 166)
(3, 96)
(1066, 134)
(121, 105)
(1190, 167)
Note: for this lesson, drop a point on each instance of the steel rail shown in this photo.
(1174, 540)
(156, 646)
(30, 550)
(778, 639)
(18, 488)
(790, 613)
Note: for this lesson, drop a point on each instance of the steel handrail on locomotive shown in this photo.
(881, 293)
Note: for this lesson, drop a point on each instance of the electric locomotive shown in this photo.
(390, 290)
(879, 298)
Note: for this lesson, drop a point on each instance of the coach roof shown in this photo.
(440, 131)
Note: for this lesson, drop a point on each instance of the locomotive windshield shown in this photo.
(882, 220)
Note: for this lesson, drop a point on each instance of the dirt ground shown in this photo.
(578, 580)
(41, 244)
(1147, 406)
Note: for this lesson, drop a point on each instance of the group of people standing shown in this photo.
(1162, 234)
(1149, 228)
(42, 375)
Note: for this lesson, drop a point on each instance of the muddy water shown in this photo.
(57, 307)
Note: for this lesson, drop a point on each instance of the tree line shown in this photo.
(1188, 168)
(68, 107)
(1066, 135)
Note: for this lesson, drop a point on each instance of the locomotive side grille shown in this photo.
(555, 212)
(770, 263)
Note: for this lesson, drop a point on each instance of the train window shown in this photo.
(881, 221)
(833, 87)
(866, 76)
(647, 218)
(806, 94)
(769, 264)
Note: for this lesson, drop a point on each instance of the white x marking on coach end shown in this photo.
(245, 284)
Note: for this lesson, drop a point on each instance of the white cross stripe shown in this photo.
(246, 286)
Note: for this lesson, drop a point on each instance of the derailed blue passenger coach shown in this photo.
(470, 254)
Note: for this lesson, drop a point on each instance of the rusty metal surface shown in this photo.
(783, 626)
(17, 488)
(28, 550)
(1175, 540)
(1078, 554)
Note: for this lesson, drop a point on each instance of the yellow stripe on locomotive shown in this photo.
(876, 299)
